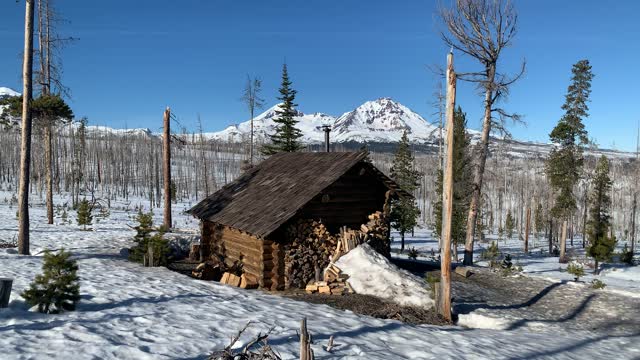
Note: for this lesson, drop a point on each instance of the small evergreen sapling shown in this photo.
(148, 237)
(84, 214)
(626, 256)
(509, 225)
(598, 284)
(413, 253)
(57, 289)
(575, 269)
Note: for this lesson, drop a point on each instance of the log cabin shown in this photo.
(246, 221)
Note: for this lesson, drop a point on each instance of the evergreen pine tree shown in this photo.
(509, 225)
(84, 214)
(148, 237)
(143, 235)
(286, 137)
(538, 219)
(404, 211)
(601, 243)
(564, 165)
(57, 289)
(462, 182)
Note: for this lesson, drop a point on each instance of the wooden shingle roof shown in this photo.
(268, 195)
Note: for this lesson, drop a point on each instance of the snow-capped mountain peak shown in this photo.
(263, 125)
(382, 120)
(7, 92)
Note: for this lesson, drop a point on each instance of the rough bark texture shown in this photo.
(526, 231)
(48, 154)
(166, 151)
(563, 241)
(479, 173)
(25, 146)
(447, 191)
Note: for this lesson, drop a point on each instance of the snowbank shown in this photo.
(372, 274)
(628, 273)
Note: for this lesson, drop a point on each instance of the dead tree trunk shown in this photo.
(25, 146)
(5, 291)
(167, 168)
(444, 299)
(584, 219)
(633, 224)
(526, 231)
(48, 154)
(563, 242)
(550, 236)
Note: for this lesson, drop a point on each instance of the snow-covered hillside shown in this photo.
(7, 92)
(381, 120)
(263, 125)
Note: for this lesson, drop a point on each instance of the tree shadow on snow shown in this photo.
(136, 301)
(466, 308)
(571, 348)
(339, 334)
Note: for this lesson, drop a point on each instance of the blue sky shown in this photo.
(136, 57)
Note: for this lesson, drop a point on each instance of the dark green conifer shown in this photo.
(404, 211)
(601, 243)
(287, 135)
(84, 214)
(509, 225)
(538, 219)
(564, 165)
(462, 182)
(57, 289)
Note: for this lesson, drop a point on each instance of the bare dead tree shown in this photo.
(481, 29)
(252, 99)
(49, 78)
(25, 147)
(166, 160)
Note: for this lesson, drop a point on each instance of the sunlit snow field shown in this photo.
(131, 312)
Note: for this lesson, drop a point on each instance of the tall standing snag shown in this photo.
(166, 153)
(252, 99)
(25, 146)
(482, 29)
(445, 260)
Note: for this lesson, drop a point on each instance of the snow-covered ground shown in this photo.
(131, 312)
(618, 278)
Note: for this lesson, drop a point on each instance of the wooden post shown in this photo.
(632, 235)
(563, 241)
(25, 144)
(444, 300)
(550, 236)
(305, 342)
(526, 231)
(166, 152)
(5, 291)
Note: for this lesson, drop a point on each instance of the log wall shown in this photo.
(348, 201)
(234, 245)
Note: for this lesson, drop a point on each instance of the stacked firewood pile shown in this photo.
(311, 247)
(334, 283)
(376, 233)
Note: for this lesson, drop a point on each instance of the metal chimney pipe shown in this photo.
(327, 130)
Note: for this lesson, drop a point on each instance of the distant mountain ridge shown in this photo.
(381, 120)
(6, 92)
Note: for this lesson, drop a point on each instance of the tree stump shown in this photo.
(5, 291)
